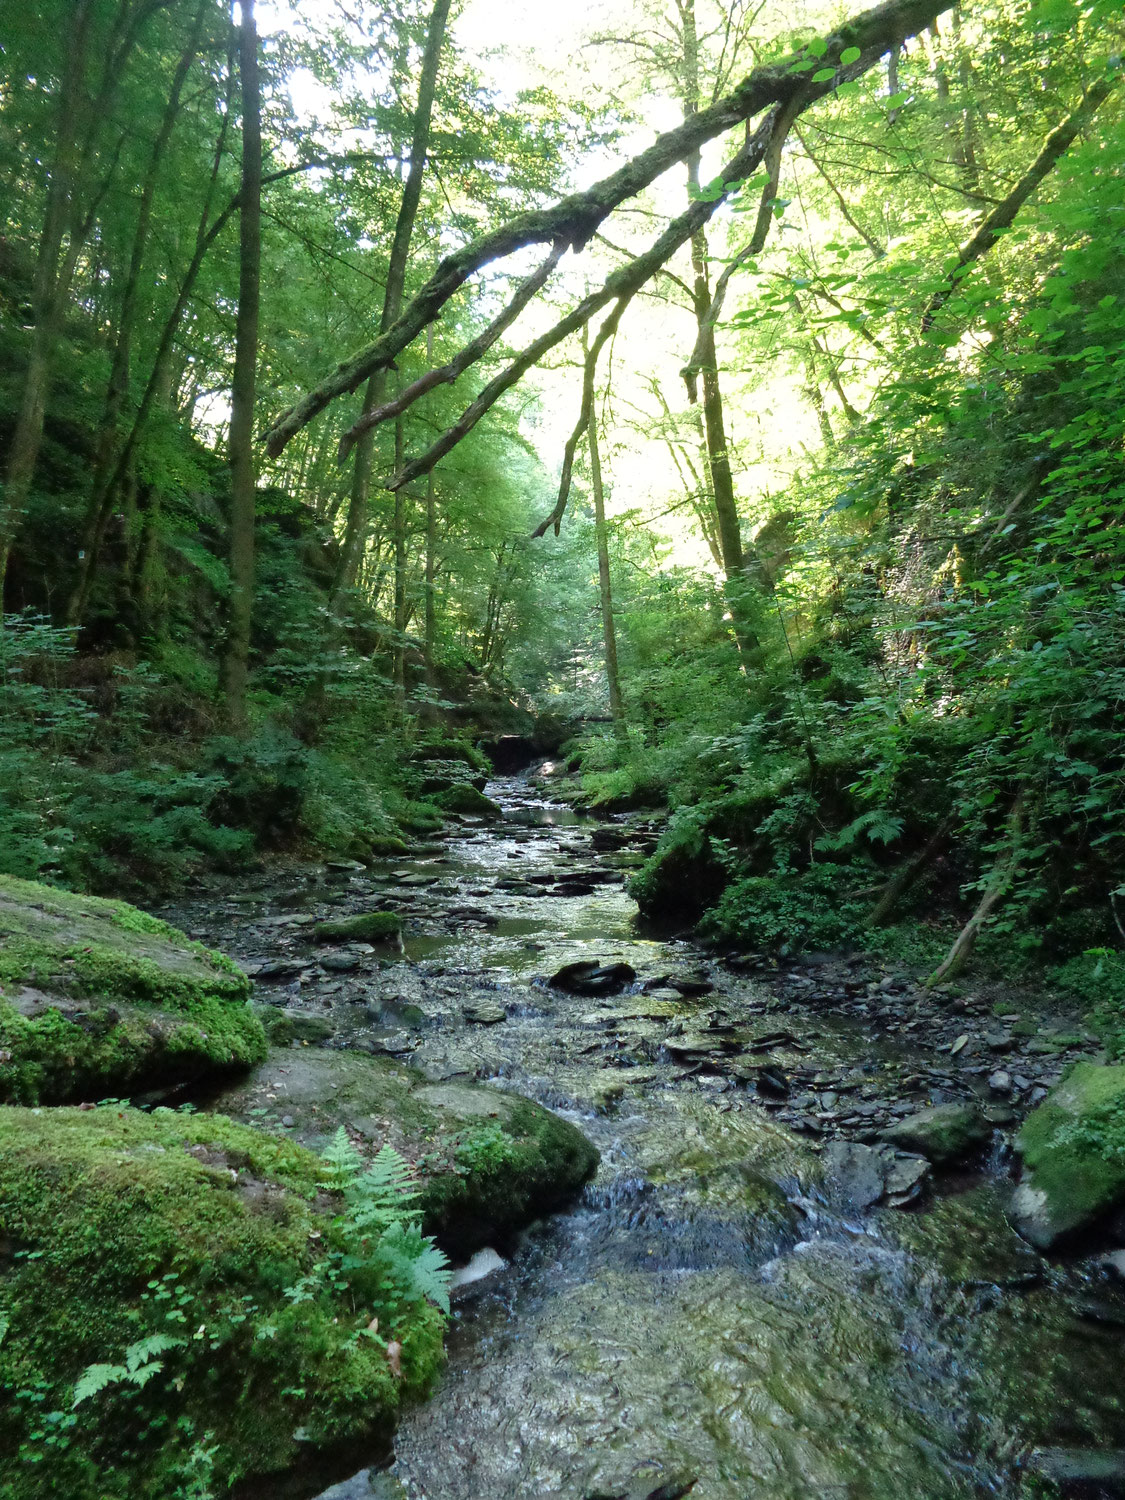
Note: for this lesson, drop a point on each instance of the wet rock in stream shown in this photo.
(489, 1161)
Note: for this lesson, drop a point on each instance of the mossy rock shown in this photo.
(1073, 1149)
(439, 774)
(490, 1161)
(466, 799)
(119, 1227)
(364, 927)
(460, 751)
(99, 998)
(284, 1027)
(945, 1133)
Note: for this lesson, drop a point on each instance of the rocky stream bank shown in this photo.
(795, 1271)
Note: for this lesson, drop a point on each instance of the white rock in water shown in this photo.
(484, 1263)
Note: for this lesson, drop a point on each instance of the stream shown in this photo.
(718, 1310)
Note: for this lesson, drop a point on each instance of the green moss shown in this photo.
(96, 996)
(1073, 1145)
(491, 1178)
(466, 799)
(286, 1026)
(119, 1225)
(456, 750)
(366, 927)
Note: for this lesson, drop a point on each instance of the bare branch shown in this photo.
(623, 283)
(782, 123)
(605, 332)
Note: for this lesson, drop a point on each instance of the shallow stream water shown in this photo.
(709, 1312)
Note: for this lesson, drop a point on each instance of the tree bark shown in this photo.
(430, 628)
(355, 535)
(47, 296)
(240, 446)
(999, 883)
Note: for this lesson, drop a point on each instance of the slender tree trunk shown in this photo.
(430, 631)
(240, 447)
(398, 652)
(355, 535)
(47, 295)
(609, 630)
(102, 490)
(727, 523)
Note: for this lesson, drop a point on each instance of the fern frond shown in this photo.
(95, 1378)
(384, 1195)
(142, 1352)
(342, 1160)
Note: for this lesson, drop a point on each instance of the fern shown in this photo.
(95, 1378)
(343, 1162)
(138, 1369)
(878, 824)
(388, 1259)
(384, 1195)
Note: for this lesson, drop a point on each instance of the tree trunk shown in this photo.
(723, 499)
(47, 295)
(102, 486)
(430, 629)
(609, 631)
(398, 650)
(355, 535)
(240, 447)
(999, 883)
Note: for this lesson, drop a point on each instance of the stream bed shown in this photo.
(725, 1308)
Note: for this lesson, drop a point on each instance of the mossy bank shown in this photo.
(201, 1262)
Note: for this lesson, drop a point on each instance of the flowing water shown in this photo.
(708, 1311)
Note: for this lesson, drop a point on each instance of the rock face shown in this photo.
(167, 1244)
(945, 1133)
(490, 1162)
(98, 998)
(1073, 1149)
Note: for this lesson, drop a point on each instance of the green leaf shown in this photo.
(849, 55)
(818, 47)
(894, 101)
(822, 75)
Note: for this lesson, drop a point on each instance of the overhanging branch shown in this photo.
(575, 218)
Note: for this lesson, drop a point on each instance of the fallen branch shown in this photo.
(905, 876)
(621, 285)
(468, 356)
(999, 883)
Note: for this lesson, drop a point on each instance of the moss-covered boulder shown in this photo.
(1073, 1149)
(489, 1161)
(945, 1133)
(99, 998)
(176, 1311)
(364, 927)
(463, 798)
